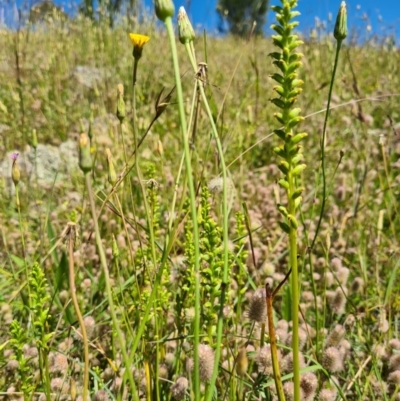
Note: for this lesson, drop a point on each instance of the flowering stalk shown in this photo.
(165, 11)
(288, 88)
(186, 37)
(340, 33)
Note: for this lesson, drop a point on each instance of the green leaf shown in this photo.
(52, 239)
(284, 227)
(18, 261)
(61, 272)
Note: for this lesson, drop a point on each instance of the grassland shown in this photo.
(59, 80)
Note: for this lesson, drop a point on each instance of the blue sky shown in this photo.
(383, 16)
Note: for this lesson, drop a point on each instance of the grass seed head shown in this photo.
(179, 388)
(332, 360)
(335, 336)
(206, 362)
(309, 384)
(258, 306)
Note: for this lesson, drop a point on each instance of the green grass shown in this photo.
(152, 310)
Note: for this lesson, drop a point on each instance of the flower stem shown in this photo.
(78, 312)
(294, 290)
(323, 140)
(193, 208)
(103, 262)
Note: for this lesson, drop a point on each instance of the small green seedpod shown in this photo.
(283, 210)
(293, 221)
(298, 158)
(298, 137)
(297, 82)
(284, 166)
(297, 202)
(278, 29)
(279, 90)
(297, 192)
(295, 43)
(280, 151)
(298, 169)
(283, 183)
(295, 92)
(295, 112)
(294, 121)
(284, 227)
(279, 117)
(295, 57)
(293, 67)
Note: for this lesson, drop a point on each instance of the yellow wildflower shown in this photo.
(138, 41)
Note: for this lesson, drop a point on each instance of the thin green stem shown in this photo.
(323, 139)
(103, 262)
(193, 208)
(294, 289)
(78, 312)
(18, 204)
(225, 213)
(274, 349)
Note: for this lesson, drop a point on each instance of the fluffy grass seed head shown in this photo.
(288, 389)
(264, 360)
(59, 385)
(138, 42)
(394, 362)
(101, 395)
(332, 360)
(309, 384)
(179, 388)
(394, 378)
(394, 343)
(327, 395)
(58, 363)
(335, 336)
(206, 362)
(258, 306)
(357, 285)
(338, 301)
